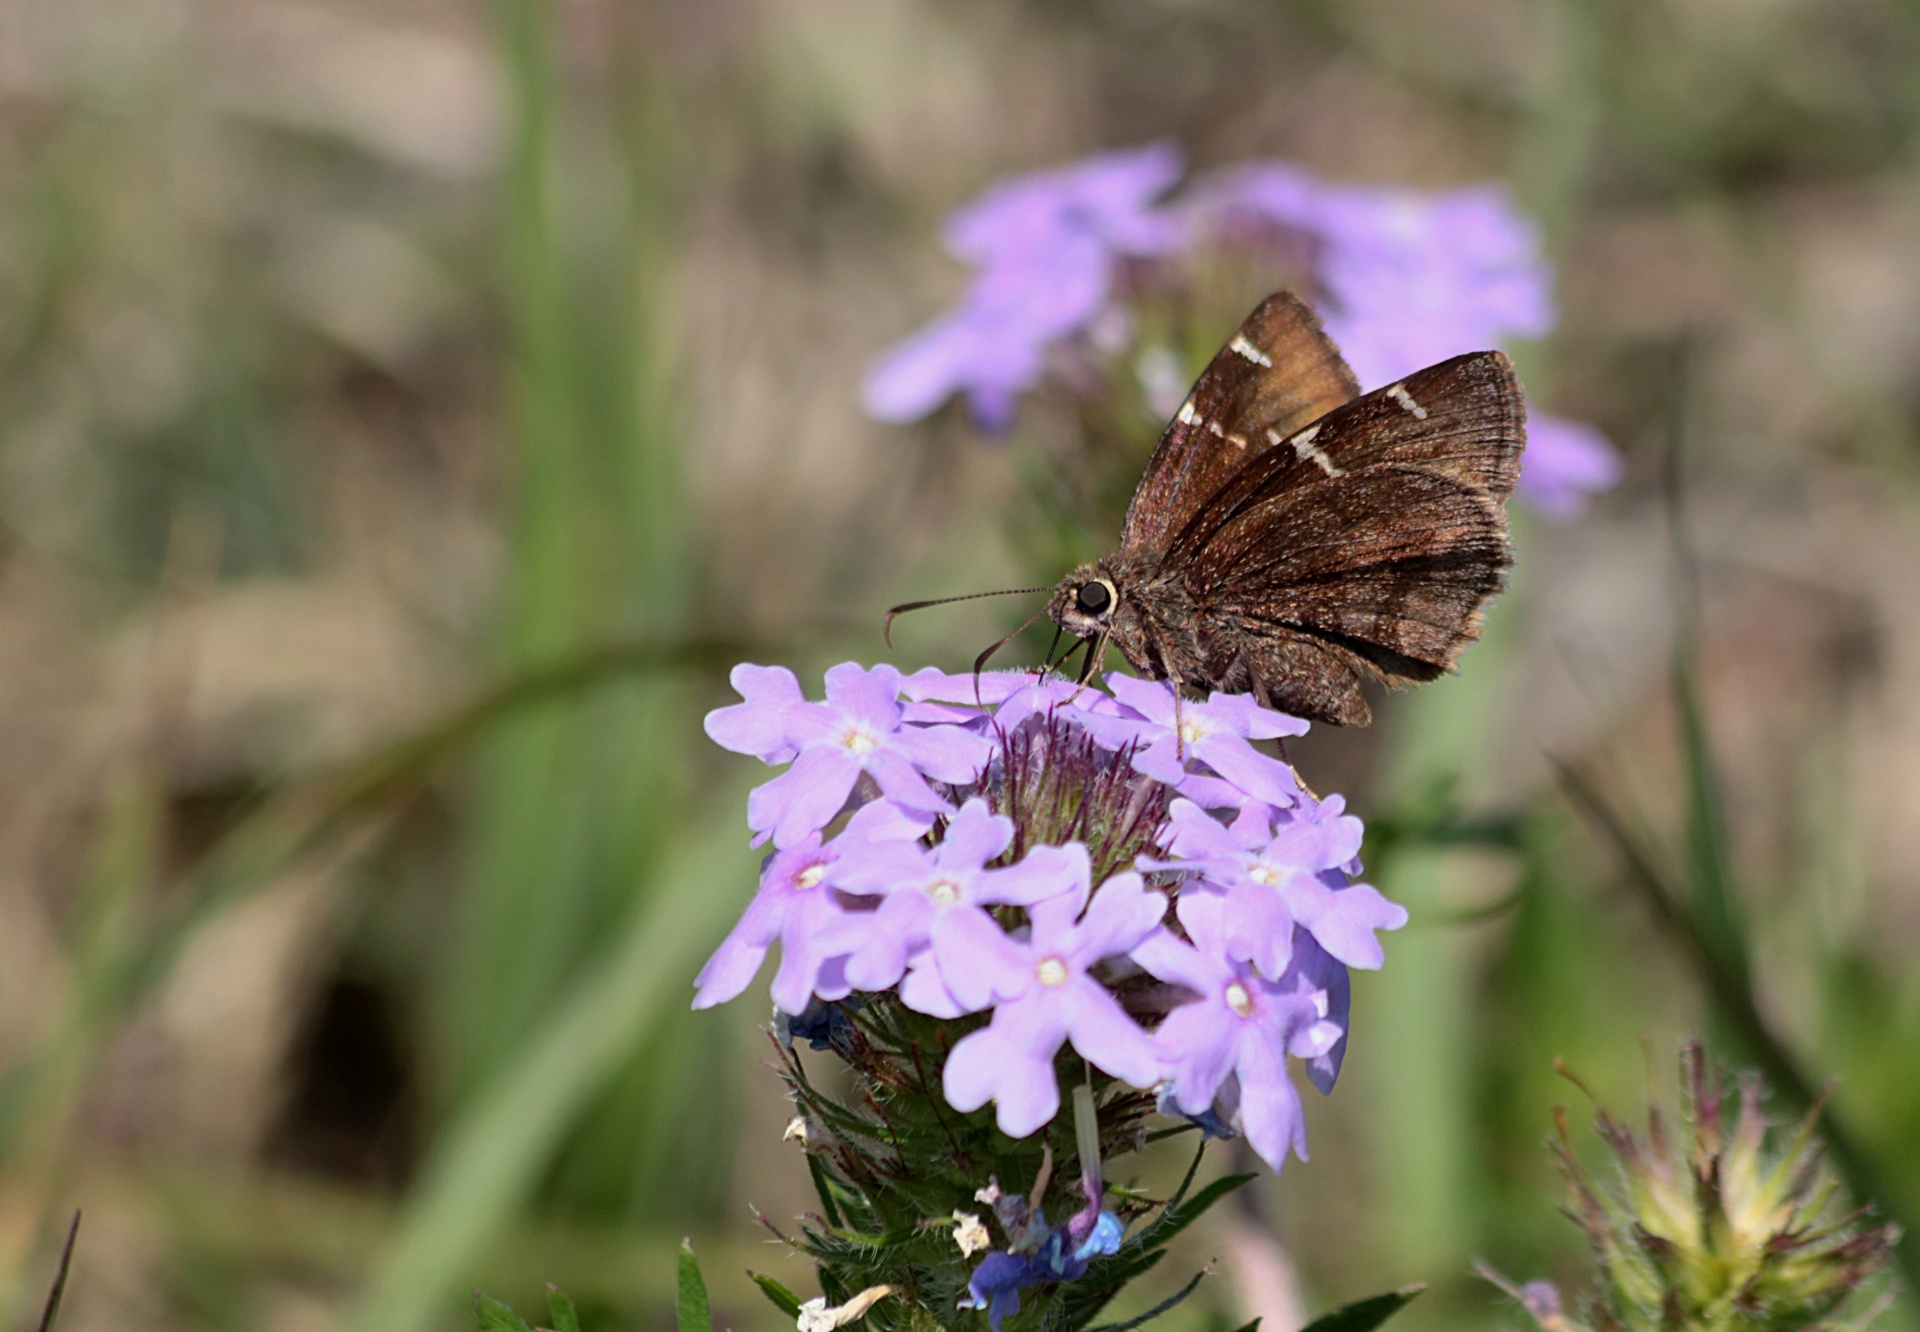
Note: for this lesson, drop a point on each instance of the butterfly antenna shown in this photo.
(1046, 662)
(980, 662)
(886, 625)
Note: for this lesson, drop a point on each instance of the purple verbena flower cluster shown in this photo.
(1404, 278)
(1101, 868)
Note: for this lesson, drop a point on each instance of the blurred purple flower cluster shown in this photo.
(1085, 867)
(1404, 278)
(1044, 248)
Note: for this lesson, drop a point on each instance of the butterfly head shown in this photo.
(1085, 601)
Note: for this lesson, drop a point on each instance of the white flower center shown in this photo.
(1192, 730)
(1239, 1000)
(1268, 873)
(944, 891)
(1052, 972)
(858, 739)
(810, 877)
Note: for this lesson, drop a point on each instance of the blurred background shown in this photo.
(409, 408)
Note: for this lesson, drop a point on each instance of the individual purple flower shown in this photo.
(857, 729)
(1241, 1026)
(1045, 245)
(1216, 733)
(934, 899)
(1566, 463)
(1276, 876)
(794, 906)
(1047, 997)
(997, 1282)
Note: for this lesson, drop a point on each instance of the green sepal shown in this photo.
(783, 1299)
(565, 1317)
(691, 1307)
(1365, 1315)
(496, 1315)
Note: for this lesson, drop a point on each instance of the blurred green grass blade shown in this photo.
(489, 1160)
(1711, 897)
(297, 820)
(690, 1305)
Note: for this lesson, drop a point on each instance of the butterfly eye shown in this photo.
(1094, 598)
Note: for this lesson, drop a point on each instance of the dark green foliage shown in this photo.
(690, 1305)
(1365, 1315)
(892, 1163)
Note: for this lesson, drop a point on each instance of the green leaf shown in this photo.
(1159, 1308)
(1253, 1326)
(1177, 1218)
(694, 1313)
(1365, 1315)
(495, 1316)
(783, 1299)
(565, 1319)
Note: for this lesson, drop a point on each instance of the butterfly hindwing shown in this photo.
(1385, 572)
(1278, 373)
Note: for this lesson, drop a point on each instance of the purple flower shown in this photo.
(1215, 733)
(1276, 876)
(1109, 197)
(1241, 1026)
(933, 899)
(1009, 696)
(795, 906)
(1566, 462)
(1411, 277)
(858, 729)
(1048, 997)
(998, 1280)
(1046, 245)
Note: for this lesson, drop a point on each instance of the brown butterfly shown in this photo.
(1292, 538)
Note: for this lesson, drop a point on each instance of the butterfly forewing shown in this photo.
(1463, 418)
(1278, 373)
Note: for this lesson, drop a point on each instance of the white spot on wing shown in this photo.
(1251, 352)
(1304, 450)
(1398, 392)
(1187, 415)
(1218, 433)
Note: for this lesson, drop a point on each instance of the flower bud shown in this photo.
(1715, 1223)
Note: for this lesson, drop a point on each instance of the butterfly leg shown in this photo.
(1096, 656)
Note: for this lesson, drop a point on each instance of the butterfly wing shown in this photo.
(1366, 548)
(1276, 374)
